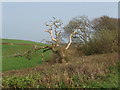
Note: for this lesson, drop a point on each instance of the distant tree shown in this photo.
(83, 28)
(105, 37)
(105, 23)
(97, 36)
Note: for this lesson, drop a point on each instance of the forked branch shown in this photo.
(51, 35)
(70, 39)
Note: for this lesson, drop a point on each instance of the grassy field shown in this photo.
(14, 63)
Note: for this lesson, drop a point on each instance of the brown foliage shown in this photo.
(86, 67)
(105, 22)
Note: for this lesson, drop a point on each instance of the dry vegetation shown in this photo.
(82, 69)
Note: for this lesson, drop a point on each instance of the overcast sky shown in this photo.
(26, 20)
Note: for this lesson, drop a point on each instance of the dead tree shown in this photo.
(54, 30)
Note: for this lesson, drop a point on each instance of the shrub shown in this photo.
(20, 82)
(104, 41)
(14, 82)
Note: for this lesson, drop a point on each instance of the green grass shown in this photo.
(15, 63)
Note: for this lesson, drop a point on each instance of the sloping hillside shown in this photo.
(14, 41)
(10, 47)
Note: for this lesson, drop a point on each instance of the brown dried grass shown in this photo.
(52, 74)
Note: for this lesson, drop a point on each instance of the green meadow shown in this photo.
(9, 62)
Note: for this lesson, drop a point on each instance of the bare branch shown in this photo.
(51, 34)
(54, 30)
(70, 39)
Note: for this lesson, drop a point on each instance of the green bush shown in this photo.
(104, 41)
(20, 82)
